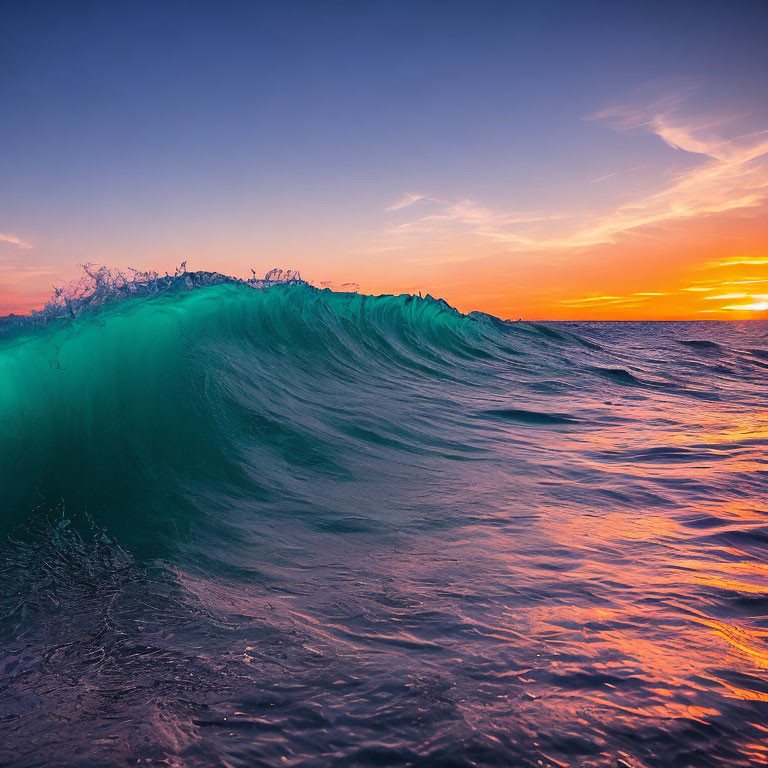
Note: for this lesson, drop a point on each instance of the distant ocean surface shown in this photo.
(296, 527)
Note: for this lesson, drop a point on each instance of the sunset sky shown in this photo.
(545, 160)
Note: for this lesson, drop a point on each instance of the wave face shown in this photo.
(292, 526)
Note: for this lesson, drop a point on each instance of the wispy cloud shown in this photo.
(725, 173)
(7, 237)
(465, 211)
(756, 306)
(743, 262)
(731, 174)
(408, 199)
(635, 300)
(616, 173)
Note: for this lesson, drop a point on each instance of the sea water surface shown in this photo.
(293, 527)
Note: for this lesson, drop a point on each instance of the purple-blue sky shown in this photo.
(548, 159)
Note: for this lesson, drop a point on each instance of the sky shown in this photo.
(544, 160)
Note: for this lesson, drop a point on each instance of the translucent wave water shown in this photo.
(291, 526)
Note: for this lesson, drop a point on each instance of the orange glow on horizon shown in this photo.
(713, 268)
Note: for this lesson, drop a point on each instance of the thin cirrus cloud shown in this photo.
(605, 301)
(616, 173)
(408, 199)
(728, 173)
(7, 237)
(743, 262)
(755, 306)
(446, 218)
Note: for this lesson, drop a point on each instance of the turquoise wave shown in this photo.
(133, 410)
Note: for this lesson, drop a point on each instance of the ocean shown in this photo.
(287, 526)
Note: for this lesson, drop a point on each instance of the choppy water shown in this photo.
(290, 527)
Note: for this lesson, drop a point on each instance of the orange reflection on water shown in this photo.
(746, 640)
